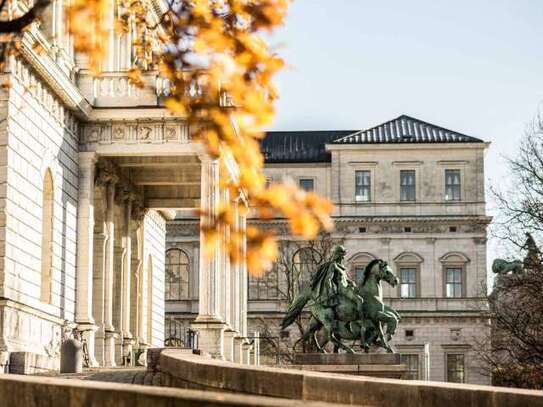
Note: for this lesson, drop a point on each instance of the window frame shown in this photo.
(416, 269)
(464, 370)
(168, 283)
(262, 286)
(368, 187)
(461, 268)
(459, 185)
(418, 370)
(304, 178)
(414, 186)
(409, 260)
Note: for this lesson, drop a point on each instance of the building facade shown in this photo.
(92, 168)
(406, 191)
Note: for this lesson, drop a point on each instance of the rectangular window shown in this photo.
(362, 186)
(307, 184)
(455, 368)
(407, 185)
(453, 282)
(452, 185)
(412, 363)
(408, 282)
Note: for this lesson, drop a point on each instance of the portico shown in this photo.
(134, 176)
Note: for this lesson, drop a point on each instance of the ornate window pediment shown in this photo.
(454, 257)
(408, 257)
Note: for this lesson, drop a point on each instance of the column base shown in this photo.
(247, 349)
(109, 349)
(229, 336)
(128, 345)
(210, 336)
(88, 334)
(238, 349)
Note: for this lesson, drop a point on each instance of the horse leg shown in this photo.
(327, 338)
(384, 318)
(312, 329)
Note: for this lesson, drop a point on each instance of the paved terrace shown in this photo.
(195, 380)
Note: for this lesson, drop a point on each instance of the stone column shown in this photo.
(110, 334)
(126, 276)
(85, 230)
(243, 279)
(209, 323)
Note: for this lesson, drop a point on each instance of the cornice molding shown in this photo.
(54, 77)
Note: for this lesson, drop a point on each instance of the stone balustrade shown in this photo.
(184, 370)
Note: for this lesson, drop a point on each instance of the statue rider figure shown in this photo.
(331, 282)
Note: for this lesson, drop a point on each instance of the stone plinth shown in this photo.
(386, 365)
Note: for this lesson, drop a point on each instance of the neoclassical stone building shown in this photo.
(92, 168)
(406, 191)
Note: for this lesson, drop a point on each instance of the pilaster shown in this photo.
(110, 333)
(209, 323)
(84, 274)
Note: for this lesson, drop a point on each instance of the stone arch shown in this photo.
(48, 202)
(454, 257)
(177, 279)
(409, 257)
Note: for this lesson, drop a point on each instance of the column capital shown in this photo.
(106, 173)
(87, 158)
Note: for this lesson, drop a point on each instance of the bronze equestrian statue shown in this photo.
(342, 310)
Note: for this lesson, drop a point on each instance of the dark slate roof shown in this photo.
(405, 129)
(299, 146)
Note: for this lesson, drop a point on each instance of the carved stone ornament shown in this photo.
(136, 132)
(106, 172)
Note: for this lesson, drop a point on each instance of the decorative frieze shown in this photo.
(136, 132)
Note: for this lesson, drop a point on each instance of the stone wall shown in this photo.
(38, 135)
(25, 391)
(193, 371)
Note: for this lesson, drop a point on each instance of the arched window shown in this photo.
(47, 237)
(408, 266)
(177, 275)
(358, 263)
(305, 262)
(454, 274)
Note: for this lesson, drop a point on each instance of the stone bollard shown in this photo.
(71, 356)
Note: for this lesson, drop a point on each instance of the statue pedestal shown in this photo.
(364, 364)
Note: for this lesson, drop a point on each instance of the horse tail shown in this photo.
(296, 308)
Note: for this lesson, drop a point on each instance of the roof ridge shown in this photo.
(437, 126)
(388, 137)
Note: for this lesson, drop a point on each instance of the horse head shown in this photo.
(382, 271)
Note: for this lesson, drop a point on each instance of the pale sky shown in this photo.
(474, 66)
